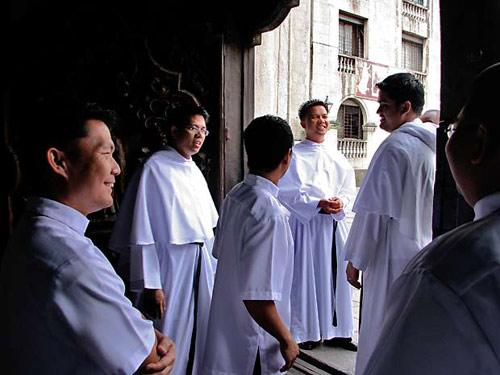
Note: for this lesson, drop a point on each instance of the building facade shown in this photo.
(339, 50)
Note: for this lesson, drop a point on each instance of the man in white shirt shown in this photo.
(249, 323)
(442, 312)
(65, 311)
(318, 188)
(393, 208)
(165, 226)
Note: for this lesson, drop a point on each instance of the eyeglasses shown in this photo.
(450, 129)
(197, 130)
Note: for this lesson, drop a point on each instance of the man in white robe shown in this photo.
(165, 225)
(64, 310)
(393, 209)
(318, 188)
(248, 331)
(443, 312)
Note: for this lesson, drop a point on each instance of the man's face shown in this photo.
(190, 137)
(91, 176)
(391, 114)
(316, 123)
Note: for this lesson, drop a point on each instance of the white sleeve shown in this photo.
(90, 303)
(144, 268)
(367, 232)
(262, 261)
(347, 192)
(301, 205)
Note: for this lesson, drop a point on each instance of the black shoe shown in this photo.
(341, 342)
(308, 345)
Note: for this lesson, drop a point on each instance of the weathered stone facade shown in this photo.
(302, 59)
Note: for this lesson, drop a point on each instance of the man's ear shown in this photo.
(405, 107)
(482, 146)
(288, 158)
(57, 161)
(173, 132)
(303, 124)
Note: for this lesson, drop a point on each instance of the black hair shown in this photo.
(56, 121)
(180, 116)
(401, 87)
(267, 140)
(479, 106)
(306, 106)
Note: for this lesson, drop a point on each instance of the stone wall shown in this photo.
(299, 60)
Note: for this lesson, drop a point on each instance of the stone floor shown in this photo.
(335, 360)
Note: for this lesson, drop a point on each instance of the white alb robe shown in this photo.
(166, 213)
(393, 220)
(318, 171)
(254, 248)
(442, 312)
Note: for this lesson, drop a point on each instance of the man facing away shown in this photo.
(165, 225)
(317, 189)
(393, 208)
(250, 314)
(64, 305)
(443, 312)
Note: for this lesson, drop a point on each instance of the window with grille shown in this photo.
(413, 53)
(351, 36)
(350, 119)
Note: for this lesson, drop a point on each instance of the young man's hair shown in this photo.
(306, 106)
(267, 140)
(479, 107)
(180, 116)
(56, 121)
(402, 87)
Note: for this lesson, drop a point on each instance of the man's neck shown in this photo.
(316, 139)
(273, 176)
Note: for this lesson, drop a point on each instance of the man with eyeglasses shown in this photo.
(393, 208)
(165, 225)
(442, 313)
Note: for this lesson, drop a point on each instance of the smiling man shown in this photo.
(64, 306)
(318, 188)
(165, 225)
(393, 208)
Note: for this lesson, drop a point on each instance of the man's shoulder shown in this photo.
(256, 202)
(46, 242)
(464, 255)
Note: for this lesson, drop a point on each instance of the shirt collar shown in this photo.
(175, 155)
(263, 183)
(487, 205)
(60, 212)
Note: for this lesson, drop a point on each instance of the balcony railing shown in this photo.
(415, 11)
(347, 64)
(352, 148)
(420, 76)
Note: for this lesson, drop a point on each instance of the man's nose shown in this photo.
(115, 169)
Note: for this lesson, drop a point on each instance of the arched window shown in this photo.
(350, 119)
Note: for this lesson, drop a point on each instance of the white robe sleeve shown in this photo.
(144, 268)
(261, 265)
(347, 193)
(367, 231)
(301, 205)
